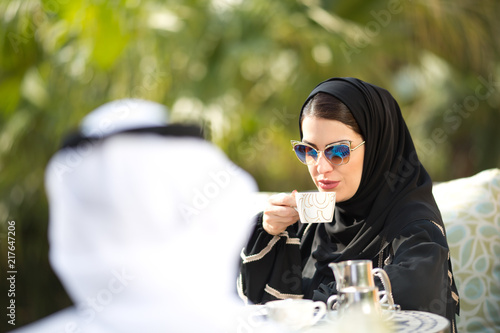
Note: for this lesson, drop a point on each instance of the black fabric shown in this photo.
(74, 139)
(279, 269)
(391, 212)
(418, 271)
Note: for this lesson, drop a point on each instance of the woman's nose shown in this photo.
(322, 164)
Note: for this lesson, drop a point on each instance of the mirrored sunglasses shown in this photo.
(336, 154)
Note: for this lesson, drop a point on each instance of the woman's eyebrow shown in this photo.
(310, 143)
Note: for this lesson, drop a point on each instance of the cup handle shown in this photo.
(320, 313)
(387, 292)
(332, 302)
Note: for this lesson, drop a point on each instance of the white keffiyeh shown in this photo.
(145, 229)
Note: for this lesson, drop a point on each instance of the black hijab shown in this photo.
(395, 189)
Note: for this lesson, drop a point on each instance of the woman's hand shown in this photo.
(280, 213)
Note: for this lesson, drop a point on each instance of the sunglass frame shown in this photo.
(347, 143)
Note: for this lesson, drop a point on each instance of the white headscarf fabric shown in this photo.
(145, 231)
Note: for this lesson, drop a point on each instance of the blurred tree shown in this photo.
(242, 69)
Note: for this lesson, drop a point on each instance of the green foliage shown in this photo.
(242, 69)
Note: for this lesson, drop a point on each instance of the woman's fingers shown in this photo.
(279, 214)
(283, 199)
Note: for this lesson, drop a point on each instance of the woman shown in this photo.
(355, 143)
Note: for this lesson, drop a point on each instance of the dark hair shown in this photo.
(328, 107)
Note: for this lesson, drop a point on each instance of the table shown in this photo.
(400, 321)
(420, 321)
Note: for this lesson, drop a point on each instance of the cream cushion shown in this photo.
(471, 212)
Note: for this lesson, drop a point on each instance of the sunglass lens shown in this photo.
(338, 154)
(306, 154)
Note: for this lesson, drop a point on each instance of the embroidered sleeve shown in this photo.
(270, 266)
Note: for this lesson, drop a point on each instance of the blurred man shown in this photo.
(145, 219)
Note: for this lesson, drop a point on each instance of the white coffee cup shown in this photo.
(315, 207)
(295, 314)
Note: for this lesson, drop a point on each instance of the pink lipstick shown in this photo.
(327, 184)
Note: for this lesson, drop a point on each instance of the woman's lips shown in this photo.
(327, 184)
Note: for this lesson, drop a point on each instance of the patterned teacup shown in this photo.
(315, 207)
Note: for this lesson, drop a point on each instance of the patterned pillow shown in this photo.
(471, 211)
